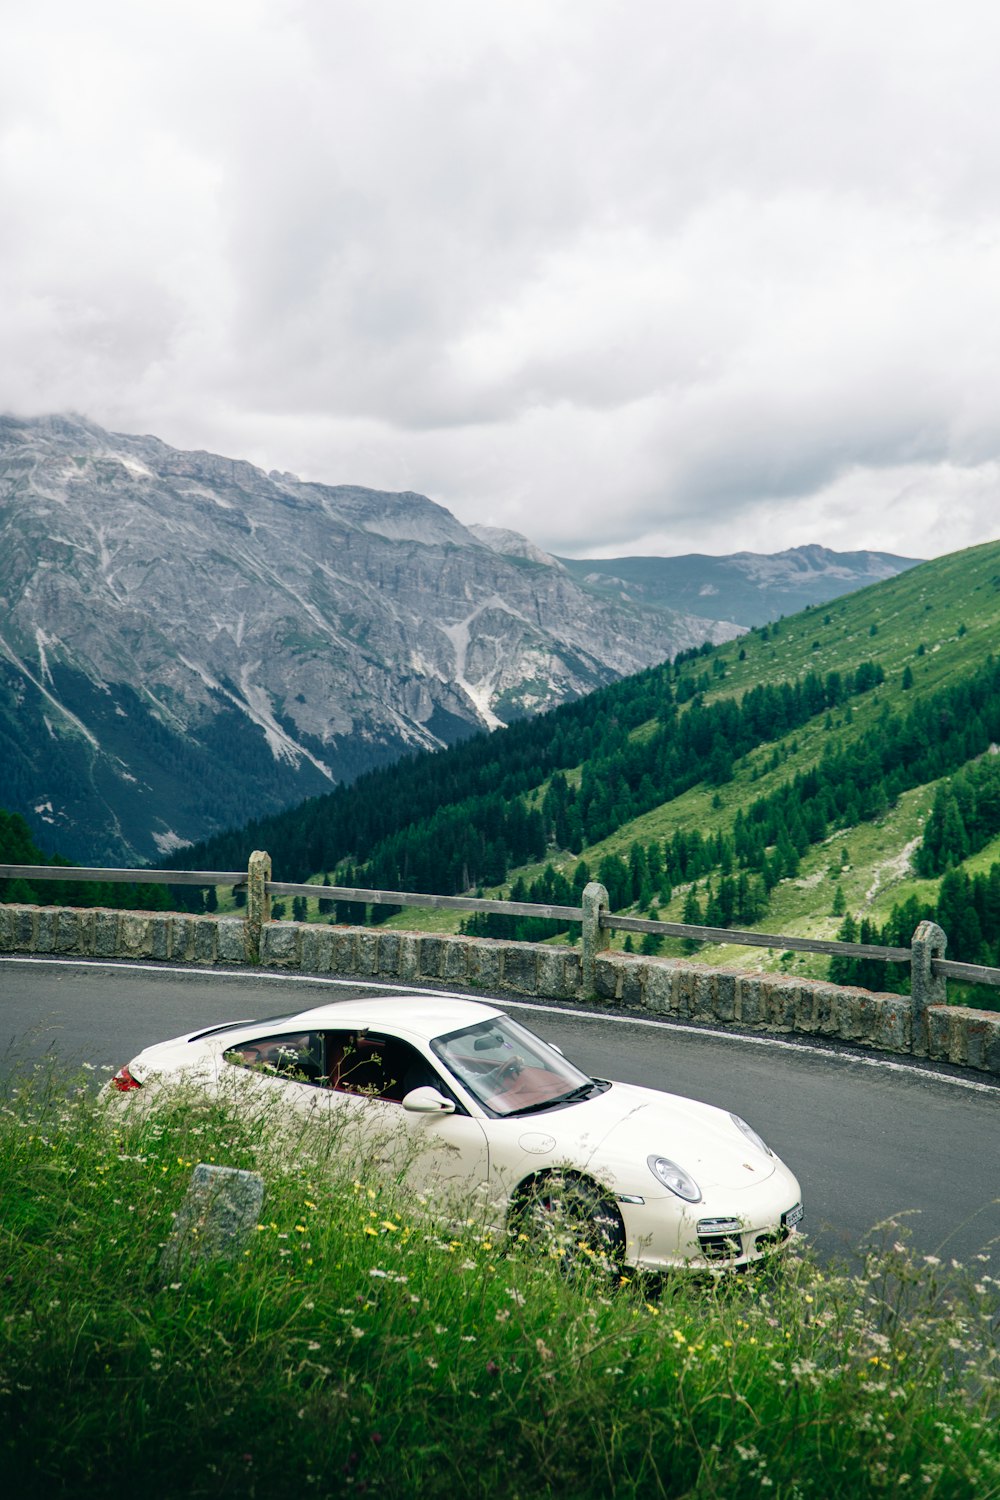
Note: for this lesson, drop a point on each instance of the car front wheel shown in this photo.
(571, 1220)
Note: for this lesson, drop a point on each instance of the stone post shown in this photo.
(258, 901)
(926, 987)
(594, 936)
(217, 1217)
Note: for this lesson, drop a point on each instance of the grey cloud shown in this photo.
(609, 275)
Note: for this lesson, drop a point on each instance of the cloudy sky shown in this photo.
(642, 276)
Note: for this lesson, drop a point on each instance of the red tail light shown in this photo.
(124, 1081)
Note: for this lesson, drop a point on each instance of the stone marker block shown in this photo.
(455, 960)
(105, 934)
(389, 945)
(632, 985)
(551, 972)
(659, 992)
(607, 972)
(280, 945)
(702, 997)
(232, 942)
(409, 956)
(520, 969)
(206, 932)
(217, 1217)
(431, 957)
(366, 953)
(484, 964)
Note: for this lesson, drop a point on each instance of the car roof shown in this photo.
(422, 1017)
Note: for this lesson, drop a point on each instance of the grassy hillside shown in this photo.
(368, 1342)
(941, 620)
(902, 670)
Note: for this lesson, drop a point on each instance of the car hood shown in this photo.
(628, 1123)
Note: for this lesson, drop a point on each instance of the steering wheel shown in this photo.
(509, 1069)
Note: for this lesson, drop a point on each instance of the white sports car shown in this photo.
(475, 1099)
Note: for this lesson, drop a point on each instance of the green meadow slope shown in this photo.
(834, 729)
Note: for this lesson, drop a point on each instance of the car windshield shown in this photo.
(509, 1070)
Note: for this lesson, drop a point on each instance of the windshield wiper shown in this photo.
(582, 1091)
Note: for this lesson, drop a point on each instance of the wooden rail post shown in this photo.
(258, 901)
(926, 988)
(594, 936)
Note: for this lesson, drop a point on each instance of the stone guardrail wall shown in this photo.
(670, 988)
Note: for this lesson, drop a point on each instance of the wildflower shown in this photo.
(515, 1296)
(492, 1368)
(503, 1314)
(376, 1272)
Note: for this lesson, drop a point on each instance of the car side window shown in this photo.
(299, 1055)
(381, 1067)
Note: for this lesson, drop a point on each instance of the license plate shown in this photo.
(793, 1216)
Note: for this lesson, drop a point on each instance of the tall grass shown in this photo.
(362, 1345)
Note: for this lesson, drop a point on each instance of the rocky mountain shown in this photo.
(187, 642)
(749, 587)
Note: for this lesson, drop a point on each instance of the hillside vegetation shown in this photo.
(365, 1341)
(831, 774)
(784, 780)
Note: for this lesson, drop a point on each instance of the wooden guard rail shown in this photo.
(938, 968)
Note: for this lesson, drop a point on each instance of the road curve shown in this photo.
(868, 1137)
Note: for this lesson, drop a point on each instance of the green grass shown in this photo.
(362, 1344)
(940, 620)
(951, 609)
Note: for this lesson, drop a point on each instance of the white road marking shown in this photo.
(504, 1002)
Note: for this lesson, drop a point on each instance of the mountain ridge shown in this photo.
(756, 586)
(183, 636)
(187, 641)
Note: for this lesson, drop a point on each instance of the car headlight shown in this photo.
(751, 1135)
(675, 1178)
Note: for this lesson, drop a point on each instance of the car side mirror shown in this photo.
(427, 1100)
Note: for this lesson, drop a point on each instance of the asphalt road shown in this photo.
(868, 1137)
